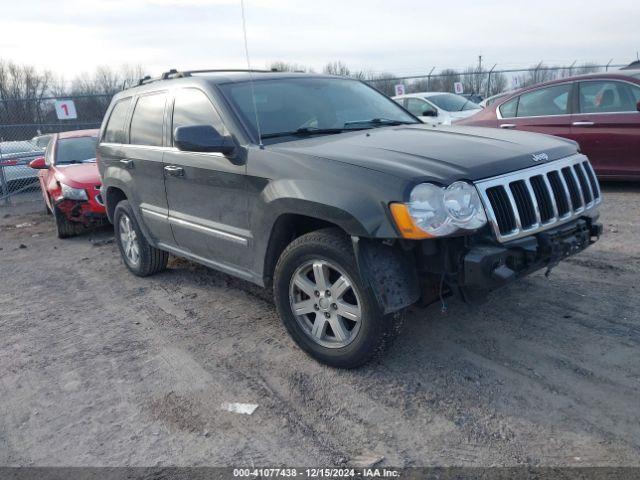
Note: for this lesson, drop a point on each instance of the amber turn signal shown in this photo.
(404, 222)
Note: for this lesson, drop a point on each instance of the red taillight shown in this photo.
(8, 163)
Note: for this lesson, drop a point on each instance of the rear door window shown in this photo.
(115, 131)
(147, 120)
(546, 101)
(608, 97)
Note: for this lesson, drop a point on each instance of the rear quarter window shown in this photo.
(508, 109)
(115, 130)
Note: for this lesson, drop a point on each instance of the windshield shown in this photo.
(303, 105)
(75, 150)
(452, 103)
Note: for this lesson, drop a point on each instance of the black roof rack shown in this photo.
(173, 73)
(232, 70)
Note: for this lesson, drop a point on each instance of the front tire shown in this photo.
(324, 304)
(64, 228)
(47, 210)
(141, 258)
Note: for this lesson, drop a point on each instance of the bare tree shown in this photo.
(496, 83)
(106, 81)
(383, 82)
(21, 91)
(587, 67)
(537, 74)
(337, 68)
(473, 80)
(419, 85)
(19, 82)
(443, 82)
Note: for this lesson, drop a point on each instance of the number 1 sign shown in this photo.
(65, 110)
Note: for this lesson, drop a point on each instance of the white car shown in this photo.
(438, 108)
(14, 161)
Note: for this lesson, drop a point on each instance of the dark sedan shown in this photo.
(599, 111)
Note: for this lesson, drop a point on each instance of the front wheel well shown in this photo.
(286, 229)
(114, 196)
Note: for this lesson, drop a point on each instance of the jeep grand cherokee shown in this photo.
(340, 200)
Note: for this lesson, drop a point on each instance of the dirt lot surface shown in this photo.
(98, 367)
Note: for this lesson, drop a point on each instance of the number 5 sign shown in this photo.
(65, 110)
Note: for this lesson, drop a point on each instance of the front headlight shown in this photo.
(71, 193)
(434, 211)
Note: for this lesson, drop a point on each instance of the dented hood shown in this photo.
(80, 175)
(439, 154)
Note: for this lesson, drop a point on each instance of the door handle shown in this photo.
(583, 124)
(507, 125)
(126, 163)
(174, 170)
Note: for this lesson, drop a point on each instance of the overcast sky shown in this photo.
(400, 36)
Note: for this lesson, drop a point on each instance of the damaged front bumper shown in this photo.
(467, 267)
(81, 211)
(487, 267)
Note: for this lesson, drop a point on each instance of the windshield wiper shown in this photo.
(382, 122)
(306, 131)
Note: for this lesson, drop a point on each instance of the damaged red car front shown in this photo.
(70, 181)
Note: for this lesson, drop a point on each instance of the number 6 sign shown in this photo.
(65, 110)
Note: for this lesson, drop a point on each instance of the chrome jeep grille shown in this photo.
(531, 200)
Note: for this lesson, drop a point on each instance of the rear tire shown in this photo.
(362, 333)
(141, 258)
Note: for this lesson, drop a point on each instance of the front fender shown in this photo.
(358, 211)
(354, 213)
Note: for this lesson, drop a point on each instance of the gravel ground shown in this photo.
(100, 368)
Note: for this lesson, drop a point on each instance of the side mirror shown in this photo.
(202, 138)
(429, 113)
(38, 164)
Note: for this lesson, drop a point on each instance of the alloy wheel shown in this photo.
(129, 240)
(325, 303)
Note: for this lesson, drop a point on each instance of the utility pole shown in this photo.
(479, 63)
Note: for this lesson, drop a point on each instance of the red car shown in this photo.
(70, 181)
(600, 111)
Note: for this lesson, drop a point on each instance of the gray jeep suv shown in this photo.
(340, 200)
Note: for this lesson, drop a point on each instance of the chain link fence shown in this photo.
(25, 123)
(25, 128)
(479, 81)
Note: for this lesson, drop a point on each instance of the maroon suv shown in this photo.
(600, 111)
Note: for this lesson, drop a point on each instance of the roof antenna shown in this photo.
(253, 93)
